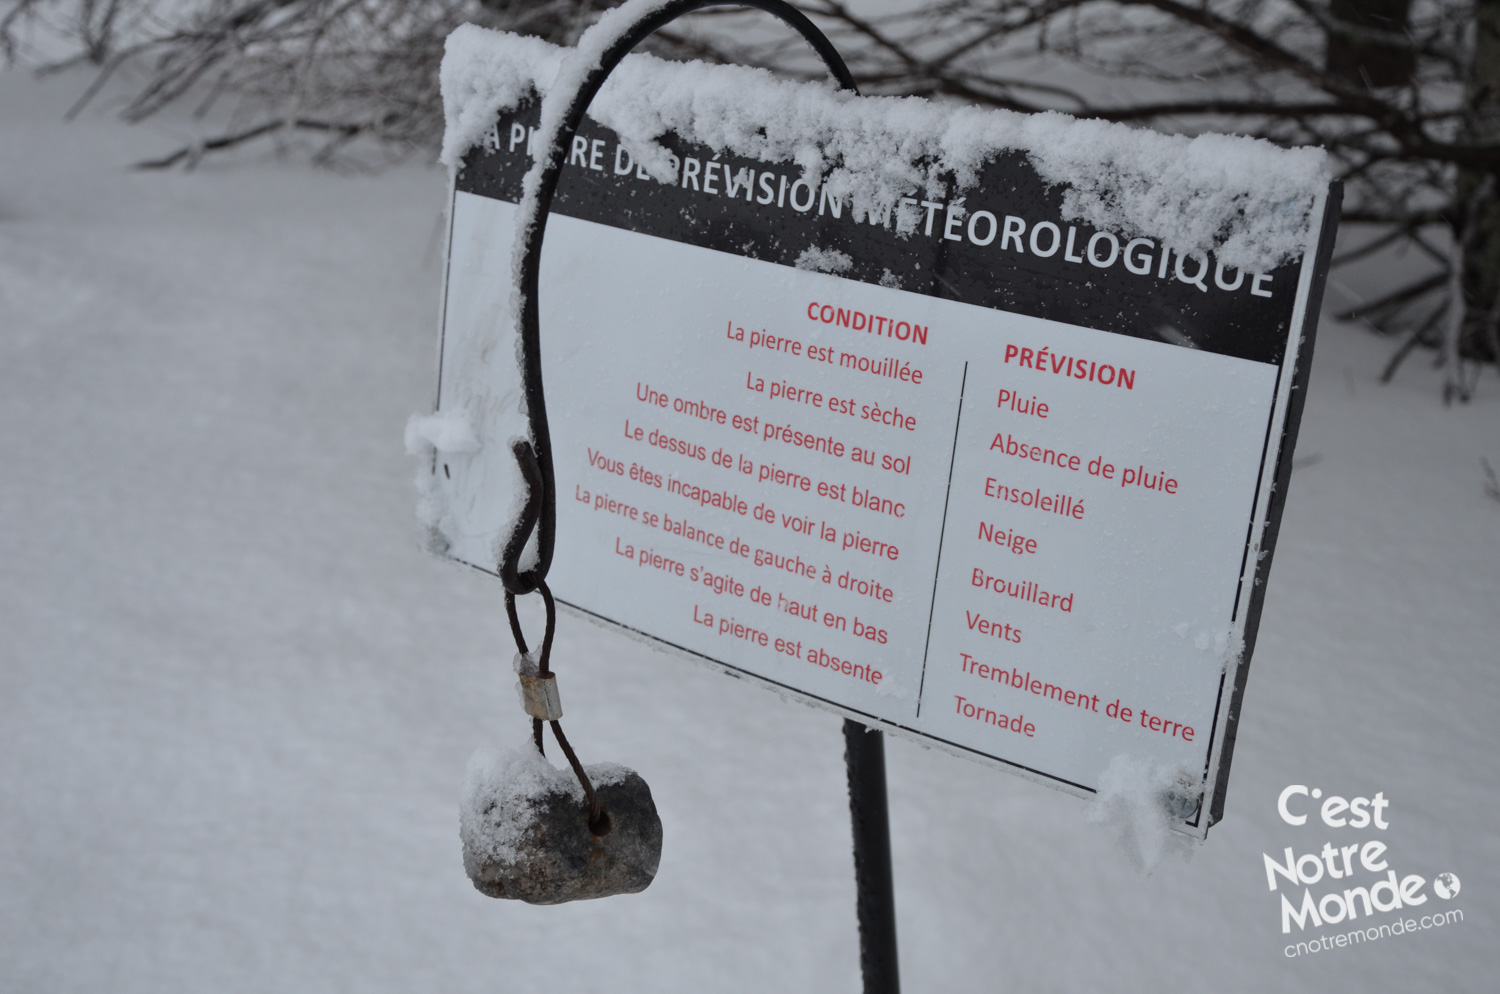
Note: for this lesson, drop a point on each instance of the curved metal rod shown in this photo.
(536, 464)
(537, 488)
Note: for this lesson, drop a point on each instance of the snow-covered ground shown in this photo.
(236, 701)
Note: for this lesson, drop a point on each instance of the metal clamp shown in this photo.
(539, 696)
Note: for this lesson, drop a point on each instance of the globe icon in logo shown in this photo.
(1446, 885)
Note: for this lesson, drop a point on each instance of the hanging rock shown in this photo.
(524, 827)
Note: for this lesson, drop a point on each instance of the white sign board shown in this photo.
(1013, 502)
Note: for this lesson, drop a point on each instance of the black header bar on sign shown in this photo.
(1002, 245)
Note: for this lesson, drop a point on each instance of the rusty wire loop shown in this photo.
(539, 511)
(598, 819)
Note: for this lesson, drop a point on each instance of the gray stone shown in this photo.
(549, 855)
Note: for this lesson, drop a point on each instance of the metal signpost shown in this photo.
(982, 475)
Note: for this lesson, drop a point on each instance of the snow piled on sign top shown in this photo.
(1244, 199)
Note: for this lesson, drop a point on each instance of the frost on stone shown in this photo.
(502, 791)
(820, 260)
(1244, 199)
(526, 830)
(1139, 802)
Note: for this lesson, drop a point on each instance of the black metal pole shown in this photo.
(875, 895)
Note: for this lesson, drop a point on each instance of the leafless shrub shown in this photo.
(338, 69)
(1405, 94)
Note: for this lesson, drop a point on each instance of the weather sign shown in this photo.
(968, 425)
